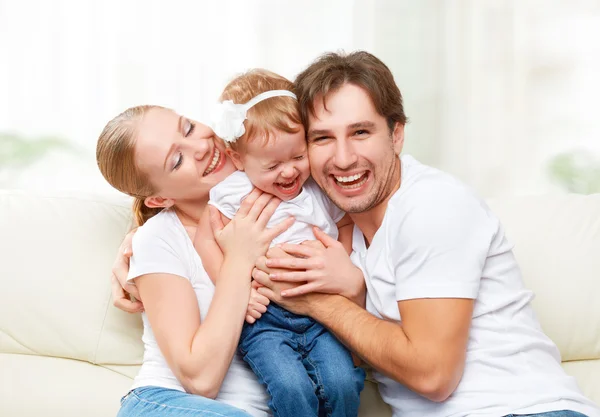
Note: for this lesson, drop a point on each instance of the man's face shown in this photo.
(353, 156)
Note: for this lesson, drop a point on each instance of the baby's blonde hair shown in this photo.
(276, 113)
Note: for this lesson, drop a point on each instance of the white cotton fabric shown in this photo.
(438, 240)
(162, 245)
(311, 207)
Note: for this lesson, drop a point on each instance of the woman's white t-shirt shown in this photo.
(438, 240)
(162, 245)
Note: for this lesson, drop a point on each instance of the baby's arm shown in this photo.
(345, 228)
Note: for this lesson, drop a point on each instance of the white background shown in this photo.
(493, 88)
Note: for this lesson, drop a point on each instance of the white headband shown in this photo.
(227, 118)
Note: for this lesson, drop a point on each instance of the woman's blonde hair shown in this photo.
(116, 160)
(276, 113)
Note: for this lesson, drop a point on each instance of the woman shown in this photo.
(191, 327)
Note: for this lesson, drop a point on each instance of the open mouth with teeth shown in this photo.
(215, 163)
(352, 181)
(289, 189)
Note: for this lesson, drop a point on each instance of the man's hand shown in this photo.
(301, 304)
(319, 266)
(121, 289)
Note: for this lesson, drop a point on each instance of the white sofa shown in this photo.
(66, 351)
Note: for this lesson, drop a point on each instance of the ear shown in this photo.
(398, 137)
(236, 158)
(157, 202)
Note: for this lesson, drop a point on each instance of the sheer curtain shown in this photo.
(493, 88)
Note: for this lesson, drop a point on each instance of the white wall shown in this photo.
(493, 88)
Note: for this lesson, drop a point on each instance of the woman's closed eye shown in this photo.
(189, 128)
(178, 161)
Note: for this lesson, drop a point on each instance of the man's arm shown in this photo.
(426, 352)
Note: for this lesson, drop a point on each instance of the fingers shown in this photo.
(265, 214)
(255, 284)
(324, 238)
(261, 204)
(258, 308)
(259, 302)
(216, 223)
(250, 319)
(261, 265)
(269, 293)
(295, 263)
(302, 289)
(281, 227)
(277, 252)
(119, 273)
(313, 244)
(121, 298)
(262, 278)
(304, 251)
(248, 202)
(128, 306)
(294, 276)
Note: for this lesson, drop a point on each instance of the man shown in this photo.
(448, 326)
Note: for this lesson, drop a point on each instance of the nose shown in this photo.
(201, 146)
(344, 156)
(288, 171)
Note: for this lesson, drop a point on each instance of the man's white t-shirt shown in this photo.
(162, 245)
(311, 207)
(438, 240)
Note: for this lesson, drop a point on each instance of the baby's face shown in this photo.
(279, 167)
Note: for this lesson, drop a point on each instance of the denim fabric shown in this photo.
(561, 413)
(163, 402)
(306, 370)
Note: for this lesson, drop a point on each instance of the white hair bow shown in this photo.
(227, 118)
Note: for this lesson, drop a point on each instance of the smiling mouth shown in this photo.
(213, 163)
(289, 187)
(351, 181)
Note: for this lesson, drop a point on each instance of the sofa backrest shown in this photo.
(557, 244)
(55, 299)
(57, 252)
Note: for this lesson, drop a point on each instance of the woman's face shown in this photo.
(182, 158)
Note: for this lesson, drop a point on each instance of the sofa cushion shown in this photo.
(34, 386)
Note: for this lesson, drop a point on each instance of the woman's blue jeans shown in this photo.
(164, 402)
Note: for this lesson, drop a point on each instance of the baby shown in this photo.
(305, 369)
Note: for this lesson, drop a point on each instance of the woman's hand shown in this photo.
(121, 289)
(320, 266)
(257, 305)
(246, 236)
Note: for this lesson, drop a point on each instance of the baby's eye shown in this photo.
(297, 158)
(271, 168)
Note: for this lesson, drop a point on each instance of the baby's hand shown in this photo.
(257, 305)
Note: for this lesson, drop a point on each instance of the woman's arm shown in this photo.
(200, 354)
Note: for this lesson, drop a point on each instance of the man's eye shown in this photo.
(179, 161)
(362, 132)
